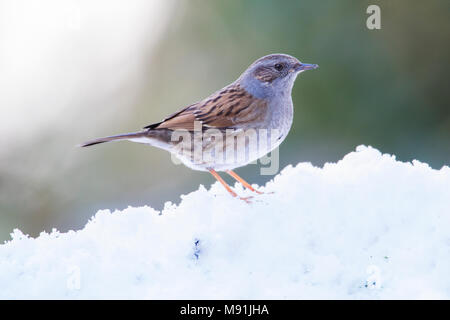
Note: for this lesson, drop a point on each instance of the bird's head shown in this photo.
(273, 74)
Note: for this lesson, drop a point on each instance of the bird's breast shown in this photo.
(281, 115)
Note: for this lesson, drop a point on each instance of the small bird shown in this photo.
(232, 127)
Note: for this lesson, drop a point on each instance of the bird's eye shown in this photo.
(278, 66)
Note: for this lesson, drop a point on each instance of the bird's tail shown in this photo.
(126, 136)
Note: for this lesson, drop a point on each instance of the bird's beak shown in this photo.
(304, 66)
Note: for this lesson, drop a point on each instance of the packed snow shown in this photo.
(366, 227)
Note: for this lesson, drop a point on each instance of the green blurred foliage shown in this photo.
(386, 88)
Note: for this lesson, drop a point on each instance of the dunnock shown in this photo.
(259, 102)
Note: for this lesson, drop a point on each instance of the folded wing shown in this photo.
(230, 107)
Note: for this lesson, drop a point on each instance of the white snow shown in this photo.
(367, 227)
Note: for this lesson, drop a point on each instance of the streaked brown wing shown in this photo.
(225, 109)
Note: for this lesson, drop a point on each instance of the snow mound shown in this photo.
(366, 227)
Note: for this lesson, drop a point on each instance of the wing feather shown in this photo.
(227, 108)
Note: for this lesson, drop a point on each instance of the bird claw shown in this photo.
(260, 192)
(246, 199)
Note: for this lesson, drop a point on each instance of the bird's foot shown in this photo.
(261, 192)
(246, 199)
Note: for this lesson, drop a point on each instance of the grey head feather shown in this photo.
(280, 84)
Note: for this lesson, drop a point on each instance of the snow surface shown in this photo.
(367, 227)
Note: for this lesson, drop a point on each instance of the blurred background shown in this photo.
(75, 70)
